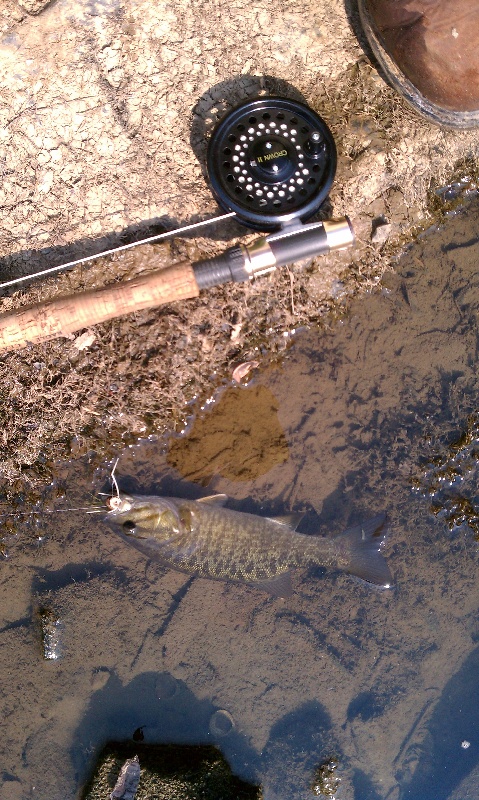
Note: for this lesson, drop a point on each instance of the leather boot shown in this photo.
(429, 51)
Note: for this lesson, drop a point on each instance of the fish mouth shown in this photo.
(119, 504)
(118, 508)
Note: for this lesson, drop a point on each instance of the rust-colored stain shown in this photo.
(240, 438)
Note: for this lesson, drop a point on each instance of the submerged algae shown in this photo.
(326, 783)
(445, 477)
(171, 773)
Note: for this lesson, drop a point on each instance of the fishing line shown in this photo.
(88, 509)
(113, 250)
(113, 479)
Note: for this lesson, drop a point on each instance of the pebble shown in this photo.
(34, 6)
(381, 234)
(166, 686)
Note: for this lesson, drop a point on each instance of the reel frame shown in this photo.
(272, 162)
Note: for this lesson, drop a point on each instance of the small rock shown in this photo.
(34, 6)
(84, 340)
(221, 723)
(381, 234)
(235, 331)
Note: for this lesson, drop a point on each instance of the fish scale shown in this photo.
(256, 548)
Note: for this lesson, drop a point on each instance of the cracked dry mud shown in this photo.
(103, 114)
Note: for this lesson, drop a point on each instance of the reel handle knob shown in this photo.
(314, 146)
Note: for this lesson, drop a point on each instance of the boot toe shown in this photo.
(429, 51)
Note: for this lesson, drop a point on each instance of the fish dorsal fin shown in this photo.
(291, 520)
(214, 499)
(278, 587)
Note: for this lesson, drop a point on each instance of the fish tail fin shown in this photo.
(360, 549)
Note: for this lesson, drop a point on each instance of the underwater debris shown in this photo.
(170, 772)
(49, 624)
(166, 686)
(444, 479)
(221, 723)
(242, 370)
(325, 782)
(128, 780)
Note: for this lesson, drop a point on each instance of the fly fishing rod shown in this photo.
(271, 163)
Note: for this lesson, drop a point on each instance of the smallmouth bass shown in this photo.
(203, 538)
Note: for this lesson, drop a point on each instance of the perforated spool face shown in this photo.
(271, 160)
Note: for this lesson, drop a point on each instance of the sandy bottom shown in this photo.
(377, 413)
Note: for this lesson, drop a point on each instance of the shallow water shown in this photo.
(378, 412)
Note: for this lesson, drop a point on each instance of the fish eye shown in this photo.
(129, 526)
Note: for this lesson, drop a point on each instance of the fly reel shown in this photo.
(272, 161)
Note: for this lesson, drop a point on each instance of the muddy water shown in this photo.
(377, 413)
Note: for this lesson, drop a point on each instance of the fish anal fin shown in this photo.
(280, 586)
(214, 500)
(291, 520)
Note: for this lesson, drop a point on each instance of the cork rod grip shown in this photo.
(64, 315)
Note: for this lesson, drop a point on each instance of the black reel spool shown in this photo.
(272, 161)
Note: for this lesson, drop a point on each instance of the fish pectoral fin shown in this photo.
(279, 587)
(291, 520)
(214, 500)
